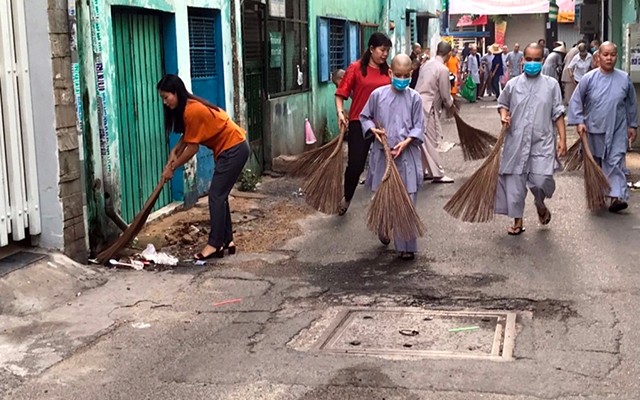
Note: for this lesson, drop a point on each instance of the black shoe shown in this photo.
(216, 254)
(231, 249)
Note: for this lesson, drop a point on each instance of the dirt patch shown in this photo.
(260, 224)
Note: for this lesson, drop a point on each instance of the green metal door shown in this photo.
(142, 142)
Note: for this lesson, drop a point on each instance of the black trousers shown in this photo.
(357, 158)
(495, 84)
(227, 171)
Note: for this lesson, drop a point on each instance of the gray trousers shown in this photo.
(512, 192)
(407, 245)
(430, 155)
(228, 168)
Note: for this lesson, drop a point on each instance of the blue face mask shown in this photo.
(400, 83)
(532, 68)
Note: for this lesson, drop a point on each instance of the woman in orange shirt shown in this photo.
(202, 123)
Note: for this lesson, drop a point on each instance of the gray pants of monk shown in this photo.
(228, 168)
(407, 245)
(430, 155)
(512, 191)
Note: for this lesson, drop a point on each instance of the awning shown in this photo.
(498, 7)
(466, 20)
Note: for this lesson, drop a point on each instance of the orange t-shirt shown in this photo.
(454, 66)
(211, 128)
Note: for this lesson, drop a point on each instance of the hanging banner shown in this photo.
(567, 13)
(501, 31)
(466, 20)
(498, 7)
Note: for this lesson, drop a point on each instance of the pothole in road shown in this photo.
(406, 332)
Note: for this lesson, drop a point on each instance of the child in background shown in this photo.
(336, 78)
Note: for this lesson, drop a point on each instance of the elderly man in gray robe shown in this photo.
(604, 108)
(529, 106)
(396, 111)
(435, 90)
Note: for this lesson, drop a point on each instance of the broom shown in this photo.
(308, 162)
(132, 231)
(596, 185)
(392, 213)
(476, 144)
(324, 188)
(574, 158)
(475, 200)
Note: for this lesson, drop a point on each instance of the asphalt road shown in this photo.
(573, 285)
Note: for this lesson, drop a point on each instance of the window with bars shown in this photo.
(202, 46)
(339, 44)
(287, 49)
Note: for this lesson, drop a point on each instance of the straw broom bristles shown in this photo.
(324, 188)
(475, 200)
(132, 231)
(574, 158)
(308, 162)
(392, 213)
(476, 144)
(596, 184)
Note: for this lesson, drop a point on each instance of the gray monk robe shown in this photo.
(400, 114)
(529, 155)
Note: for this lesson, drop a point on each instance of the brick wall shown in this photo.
(71, 186)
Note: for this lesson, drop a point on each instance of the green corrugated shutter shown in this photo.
(142, 142)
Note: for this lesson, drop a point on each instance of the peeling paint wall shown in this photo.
(100, 85)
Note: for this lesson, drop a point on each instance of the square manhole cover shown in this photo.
(421, 333)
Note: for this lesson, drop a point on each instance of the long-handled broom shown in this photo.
(392, 213)
(308, 162)
(596, 185)
(136, 226)
(574, 159)
(324, 188)
(476, 143)
(475, 200)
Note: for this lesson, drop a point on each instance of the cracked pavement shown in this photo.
(574, 284)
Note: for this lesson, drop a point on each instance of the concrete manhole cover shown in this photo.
(421, 333)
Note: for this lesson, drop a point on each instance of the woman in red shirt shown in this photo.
(361, 78)
(202, 123)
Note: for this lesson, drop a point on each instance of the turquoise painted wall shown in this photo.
(323, 98)
(397, 13)
(96, 36)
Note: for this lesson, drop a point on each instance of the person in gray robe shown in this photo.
(435, 91)
(396, 111)
(553, 64)
(604, 107)
(530, 105)
(485, 66)
(514, 62)
(473, 67)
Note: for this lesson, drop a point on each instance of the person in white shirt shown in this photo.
(581, 64)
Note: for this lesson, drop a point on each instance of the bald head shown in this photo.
(534, 51)
(443, 50)
(416, 47)
(610, 46)
(400, 61)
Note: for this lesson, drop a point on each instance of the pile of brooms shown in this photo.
(596, 185)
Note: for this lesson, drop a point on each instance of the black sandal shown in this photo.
(544, 217)
(344, 207)
(617, 205)
(407, 256)
(216, 254)
(516, 230)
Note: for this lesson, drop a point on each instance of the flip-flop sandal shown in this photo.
(617, 206)
(444, 179)
(545, 217)
(516, 230)
(407, 256)
(384, 240)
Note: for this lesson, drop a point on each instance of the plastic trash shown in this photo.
(150, 254)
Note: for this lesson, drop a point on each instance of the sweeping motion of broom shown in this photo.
(574, 158)
(596, 185)
(475, 200)
(324, 188)
(476, 144)
(392, 212)
(132, 231)
(308, 162)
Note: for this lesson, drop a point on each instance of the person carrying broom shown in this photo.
(395, 112)
(529, 106)
(362, 77)
(604, 107)
(202, 123)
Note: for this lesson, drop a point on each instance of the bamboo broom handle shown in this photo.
(585, 147)
(338, 148)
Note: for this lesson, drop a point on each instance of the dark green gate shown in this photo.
(253, 44)
(142, 143)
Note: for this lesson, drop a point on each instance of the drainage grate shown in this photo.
(406, 332)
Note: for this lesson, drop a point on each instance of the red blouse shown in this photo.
(361, 87)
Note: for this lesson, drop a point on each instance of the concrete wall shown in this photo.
(524, 29)
(397, 14)
(57, 148)
(285, 119)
